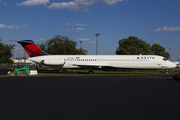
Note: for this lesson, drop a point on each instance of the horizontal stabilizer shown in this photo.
(21, 41)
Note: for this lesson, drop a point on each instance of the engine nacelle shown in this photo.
(53, 62)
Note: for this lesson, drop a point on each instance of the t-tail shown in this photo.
(31, 48)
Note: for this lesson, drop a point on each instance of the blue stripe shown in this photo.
(30, 51)
(43, 53)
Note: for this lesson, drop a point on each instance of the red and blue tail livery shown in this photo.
(31, 48)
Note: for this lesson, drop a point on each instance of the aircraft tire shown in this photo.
(91, 71)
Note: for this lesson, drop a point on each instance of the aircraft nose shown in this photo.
(173, 65)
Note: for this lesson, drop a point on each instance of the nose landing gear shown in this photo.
(166, 71)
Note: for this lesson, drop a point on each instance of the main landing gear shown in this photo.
(36, 66)
(90, 71)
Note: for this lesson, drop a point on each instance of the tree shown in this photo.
(43, 47)
(6, 52)
(159, 50)
(133, 46)
(61, 45)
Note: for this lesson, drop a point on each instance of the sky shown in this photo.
(154, 21)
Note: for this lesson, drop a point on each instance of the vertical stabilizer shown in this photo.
(31, 48)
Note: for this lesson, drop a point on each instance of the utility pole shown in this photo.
(18, 59)
(24, 56)
(170, 53)
(97, 35)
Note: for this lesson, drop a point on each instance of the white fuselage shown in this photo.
(99, 61)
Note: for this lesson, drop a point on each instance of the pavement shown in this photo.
(90, 98)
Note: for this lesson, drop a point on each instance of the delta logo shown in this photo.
(145, 57)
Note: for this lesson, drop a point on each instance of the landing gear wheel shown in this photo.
(36, 66)
(91, 71)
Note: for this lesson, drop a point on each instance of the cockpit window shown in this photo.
(164, 59)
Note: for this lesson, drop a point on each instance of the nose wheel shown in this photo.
(166, 71)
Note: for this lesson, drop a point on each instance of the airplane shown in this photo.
(95, 61)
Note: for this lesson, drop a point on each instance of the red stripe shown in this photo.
(33, 47)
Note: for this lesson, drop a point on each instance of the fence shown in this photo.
(4, 71)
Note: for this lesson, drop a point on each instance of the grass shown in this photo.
(96, 73)
(81, 72)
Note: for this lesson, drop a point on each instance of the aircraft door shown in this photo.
(159, 62)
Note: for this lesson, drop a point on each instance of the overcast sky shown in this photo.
(154, 21)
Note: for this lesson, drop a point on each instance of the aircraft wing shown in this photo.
(92, 65)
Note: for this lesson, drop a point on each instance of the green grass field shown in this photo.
(81, 72)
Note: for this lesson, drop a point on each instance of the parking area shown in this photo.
(90, 97)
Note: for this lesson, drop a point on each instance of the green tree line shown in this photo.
(61, 45)
(135, 46)
(6, 52)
